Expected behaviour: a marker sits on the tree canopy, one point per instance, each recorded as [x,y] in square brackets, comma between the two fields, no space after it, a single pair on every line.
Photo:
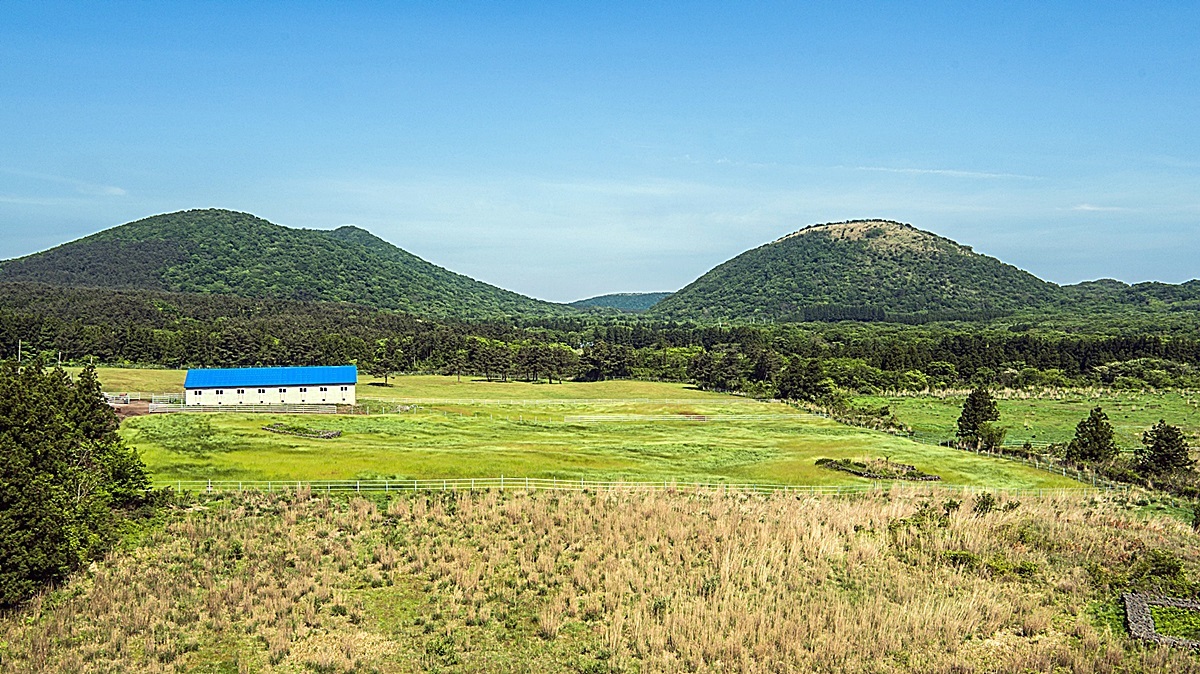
[1164,451]
[978,411]
[66,478]
[1094,441]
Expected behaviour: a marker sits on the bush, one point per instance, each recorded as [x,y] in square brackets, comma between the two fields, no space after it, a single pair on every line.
[984,503]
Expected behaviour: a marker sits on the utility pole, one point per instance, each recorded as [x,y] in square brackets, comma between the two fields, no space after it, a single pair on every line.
[18,352]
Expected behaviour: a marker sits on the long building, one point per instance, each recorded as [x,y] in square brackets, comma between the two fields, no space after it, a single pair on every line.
[330,385]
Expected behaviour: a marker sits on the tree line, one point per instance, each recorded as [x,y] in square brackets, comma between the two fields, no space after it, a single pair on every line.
[182,330]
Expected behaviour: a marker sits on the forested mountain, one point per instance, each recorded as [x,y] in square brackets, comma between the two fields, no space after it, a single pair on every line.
[227,252]
[1110,293]
[622,301]
[864,270]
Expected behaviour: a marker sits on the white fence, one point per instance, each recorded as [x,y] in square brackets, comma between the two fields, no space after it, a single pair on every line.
[156,408]
[555,484]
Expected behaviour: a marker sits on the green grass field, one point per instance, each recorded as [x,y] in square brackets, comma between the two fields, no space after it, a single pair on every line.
[128,380]
[1053,419]
[494,440]
[437,387]
[485,436]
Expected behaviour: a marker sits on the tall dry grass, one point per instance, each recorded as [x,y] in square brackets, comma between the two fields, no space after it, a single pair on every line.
[610,582]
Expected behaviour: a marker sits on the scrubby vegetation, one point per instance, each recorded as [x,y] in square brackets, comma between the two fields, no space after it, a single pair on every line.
[878,469]
[617,582]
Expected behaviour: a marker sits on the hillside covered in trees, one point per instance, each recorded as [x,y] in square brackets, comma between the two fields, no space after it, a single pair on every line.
[862,270]
[622,301]
[227,252]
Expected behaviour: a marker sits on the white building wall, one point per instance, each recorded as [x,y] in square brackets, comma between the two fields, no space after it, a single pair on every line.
[328,394]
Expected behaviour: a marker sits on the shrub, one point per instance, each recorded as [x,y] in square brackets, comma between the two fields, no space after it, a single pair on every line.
[984,503]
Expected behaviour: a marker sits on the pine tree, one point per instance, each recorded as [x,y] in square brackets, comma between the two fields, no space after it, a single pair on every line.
[1093,441]
[65,477]
[978,410]
[1164,450]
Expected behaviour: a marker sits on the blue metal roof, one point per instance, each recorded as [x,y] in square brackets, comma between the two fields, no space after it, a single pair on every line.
[247,377]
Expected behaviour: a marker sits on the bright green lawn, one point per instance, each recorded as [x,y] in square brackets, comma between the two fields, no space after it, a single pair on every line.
[433,444]
[434,386]
[128,380]
[1053,420]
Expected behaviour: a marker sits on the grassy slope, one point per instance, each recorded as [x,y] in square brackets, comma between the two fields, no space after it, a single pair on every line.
[1054,419]
[600,583]
[121,380]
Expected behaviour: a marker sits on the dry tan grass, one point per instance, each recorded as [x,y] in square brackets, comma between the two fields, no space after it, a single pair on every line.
[608,582]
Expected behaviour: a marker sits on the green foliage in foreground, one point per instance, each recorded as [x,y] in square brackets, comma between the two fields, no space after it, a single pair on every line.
[64,475]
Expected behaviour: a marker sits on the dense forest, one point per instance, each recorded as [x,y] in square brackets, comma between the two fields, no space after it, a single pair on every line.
[192,330]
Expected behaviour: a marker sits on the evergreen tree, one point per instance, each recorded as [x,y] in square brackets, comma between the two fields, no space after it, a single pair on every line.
[979,409]
[65,477]
[1093,441]
[1164,451]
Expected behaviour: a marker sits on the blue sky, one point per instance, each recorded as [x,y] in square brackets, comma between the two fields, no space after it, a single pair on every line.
[570,149]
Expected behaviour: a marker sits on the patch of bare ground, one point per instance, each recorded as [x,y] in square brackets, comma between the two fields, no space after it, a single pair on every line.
[657,582]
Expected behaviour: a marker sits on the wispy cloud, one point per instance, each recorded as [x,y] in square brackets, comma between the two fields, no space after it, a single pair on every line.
[1098,209]
[952,173]
[80,186]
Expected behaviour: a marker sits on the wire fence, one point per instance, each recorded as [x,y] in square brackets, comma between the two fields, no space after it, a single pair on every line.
[600,486]
[603,418]
[571,401]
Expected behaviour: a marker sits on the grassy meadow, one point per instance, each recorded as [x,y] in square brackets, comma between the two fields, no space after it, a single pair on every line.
[570,582]
[450,441]
[1053,417]
[130,380]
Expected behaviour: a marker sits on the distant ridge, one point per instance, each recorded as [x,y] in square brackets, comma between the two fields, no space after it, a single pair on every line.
[228,252]
[633,302]
[858,269]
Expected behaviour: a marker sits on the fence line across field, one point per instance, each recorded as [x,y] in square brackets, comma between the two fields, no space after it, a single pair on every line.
[556,484]
[564,401]
[157,408]
[602,418]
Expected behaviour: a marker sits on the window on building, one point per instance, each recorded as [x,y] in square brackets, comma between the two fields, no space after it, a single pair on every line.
[262,390]
[220,392]
[324,389]
[196,392]
[241,391]
[283,390]
[303,389]
[344,388]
